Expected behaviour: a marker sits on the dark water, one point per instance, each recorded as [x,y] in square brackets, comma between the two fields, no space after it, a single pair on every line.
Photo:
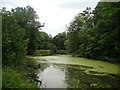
[68,72]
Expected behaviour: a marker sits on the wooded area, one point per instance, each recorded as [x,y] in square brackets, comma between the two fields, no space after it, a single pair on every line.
[91,34]
[22,35]
[95,34]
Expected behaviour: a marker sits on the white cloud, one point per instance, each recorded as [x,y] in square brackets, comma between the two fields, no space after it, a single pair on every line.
[54,16]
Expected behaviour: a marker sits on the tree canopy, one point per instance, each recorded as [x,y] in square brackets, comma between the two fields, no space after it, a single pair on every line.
[19,33]
[91,34]
[59,40]
[95,34]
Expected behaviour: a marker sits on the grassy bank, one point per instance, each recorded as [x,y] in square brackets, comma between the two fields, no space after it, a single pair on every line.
[20,76]
[61,52]
[49,52]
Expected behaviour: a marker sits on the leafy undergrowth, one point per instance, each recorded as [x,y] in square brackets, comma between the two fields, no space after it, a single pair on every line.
[20,76]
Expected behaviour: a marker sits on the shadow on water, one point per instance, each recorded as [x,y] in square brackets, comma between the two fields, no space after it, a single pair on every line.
[74,76]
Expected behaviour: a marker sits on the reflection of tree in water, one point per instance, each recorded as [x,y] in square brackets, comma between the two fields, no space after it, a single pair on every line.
[77,78]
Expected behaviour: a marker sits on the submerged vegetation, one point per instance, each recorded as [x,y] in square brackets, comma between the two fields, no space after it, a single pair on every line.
[70,75]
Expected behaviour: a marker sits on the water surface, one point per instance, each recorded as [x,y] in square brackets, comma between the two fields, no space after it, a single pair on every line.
[65,71]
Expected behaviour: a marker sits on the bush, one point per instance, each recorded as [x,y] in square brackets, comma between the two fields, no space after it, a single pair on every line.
[13,79]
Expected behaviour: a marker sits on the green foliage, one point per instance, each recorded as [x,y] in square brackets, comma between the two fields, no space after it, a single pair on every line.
[106,28]
[49,52]
[26,18]
[61,51]
[95,34]
[19,37]
[20,76]
[13,42]
[59,41]
[13,79]
[21,34]
[42,52]
[77,32]
[45,41]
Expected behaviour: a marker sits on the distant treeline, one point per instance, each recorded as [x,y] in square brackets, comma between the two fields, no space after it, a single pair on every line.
[96,34]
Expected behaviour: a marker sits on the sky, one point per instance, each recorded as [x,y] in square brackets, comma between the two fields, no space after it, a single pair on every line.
[56,14]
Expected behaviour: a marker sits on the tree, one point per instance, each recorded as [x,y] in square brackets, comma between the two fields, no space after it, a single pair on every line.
[59,40]
[27,19]
[77,32]
[107,29]
[44,41]
[95,34]
[13,42]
